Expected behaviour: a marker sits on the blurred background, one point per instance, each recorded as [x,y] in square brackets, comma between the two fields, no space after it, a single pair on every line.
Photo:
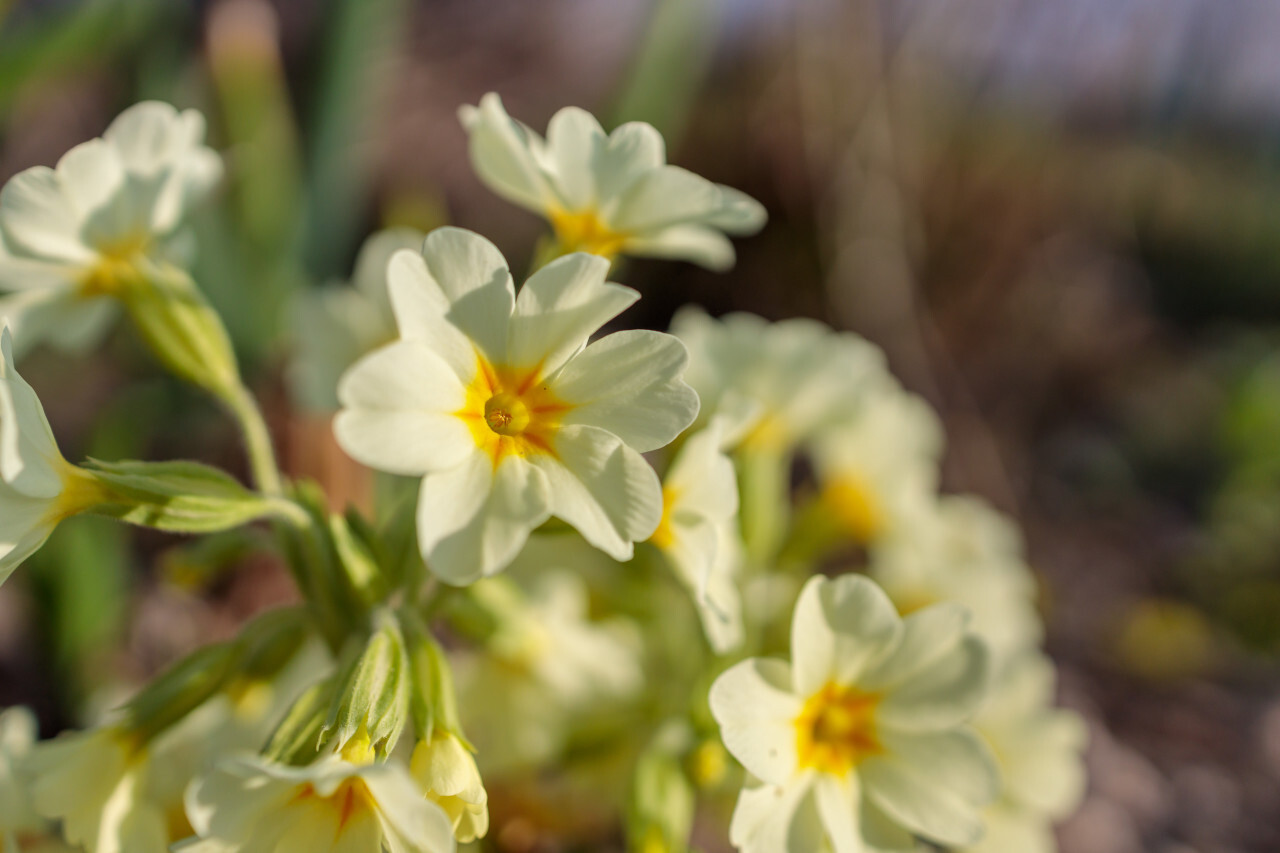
[1060,219]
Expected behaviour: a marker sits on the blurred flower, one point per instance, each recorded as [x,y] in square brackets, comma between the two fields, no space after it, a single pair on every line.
[609,194]
[496,403]
[797,375]
[960,549]
[548,659]
[95,783]
[334,326]
[38,488]
[878,466]
[71,237]
[862,739]
[444,768]
[698,533]
[1039,749]
[21,829]
[249,803]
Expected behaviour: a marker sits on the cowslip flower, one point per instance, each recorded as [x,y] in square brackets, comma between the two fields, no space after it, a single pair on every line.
[334,326]
[608,194]
[507,414]
[960,549]
[248,803]
[38,488]
[1039,749]
[798,375]
[446,770]
[861,739]
[72,236]
[877,468]
[698,532]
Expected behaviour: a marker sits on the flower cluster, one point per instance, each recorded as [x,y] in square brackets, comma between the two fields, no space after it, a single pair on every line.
[598,568]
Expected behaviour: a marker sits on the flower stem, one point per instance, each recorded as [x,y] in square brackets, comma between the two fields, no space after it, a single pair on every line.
[257,440]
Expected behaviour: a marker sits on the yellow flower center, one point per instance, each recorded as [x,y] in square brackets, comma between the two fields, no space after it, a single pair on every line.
[856,507]
[584,231]
[836,729]
[511,412]
[116,267]
[664,537]
[351,796]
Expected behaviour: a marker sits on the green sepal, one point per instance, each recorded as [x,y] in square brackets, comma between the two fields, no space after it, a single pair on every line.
[181,689]
[372,698]
[298,737]
[181,497]
[357,557]
[433,699]
[180,328]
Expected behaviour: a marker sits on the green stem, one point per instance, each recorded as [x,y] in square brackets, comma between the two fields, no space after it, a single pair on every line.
[257,440]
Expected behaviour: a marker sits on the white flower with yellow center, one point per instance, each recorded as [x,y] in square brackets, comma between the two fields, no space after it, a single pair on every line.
[38,488]
[96,784]
[445,769]
[72,236]
[332,806]
[877,468]
[861,740]
[798,374]
[1040,752]
[509,417]
[960,549]
[607,194]
[334,326]
[698,533]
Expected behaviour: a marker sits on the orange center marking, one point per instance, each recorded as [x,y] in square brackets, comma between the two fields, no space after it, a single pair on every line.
[836,729]
[511,411]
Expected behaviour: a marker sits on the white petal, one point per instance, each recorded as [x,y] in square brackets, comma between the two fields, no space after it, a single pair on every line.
[663,197]
[502,153]
[574,140]
[412,824]
[757,713]
[603,488]
[399,410]
[774,819]
[697,244]
[839,625]
[839,806]
[58,317]
[941,695]
[149,134]
[560,307]
[19,272]
[38,218]
[91,174]
[473,520]
[702,476]
[421,311]
[28,453]
[934,785]
[22,531]
[473,276]
[927,636]
[739,213]
[630,384]
[632,150]
[370,274]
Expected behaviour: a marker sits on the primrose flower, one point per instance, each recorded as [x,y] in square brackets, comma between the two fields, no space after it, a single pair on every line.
[611,194]
[444,768]
[550,660]
[38,488]
[698,532]
[509,417]
[861,740]
[962,550]
[1039,749]
[73,236]
[96,783]
[20,827]
[798,375]
[248,803]
[334,326]
[878,467]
